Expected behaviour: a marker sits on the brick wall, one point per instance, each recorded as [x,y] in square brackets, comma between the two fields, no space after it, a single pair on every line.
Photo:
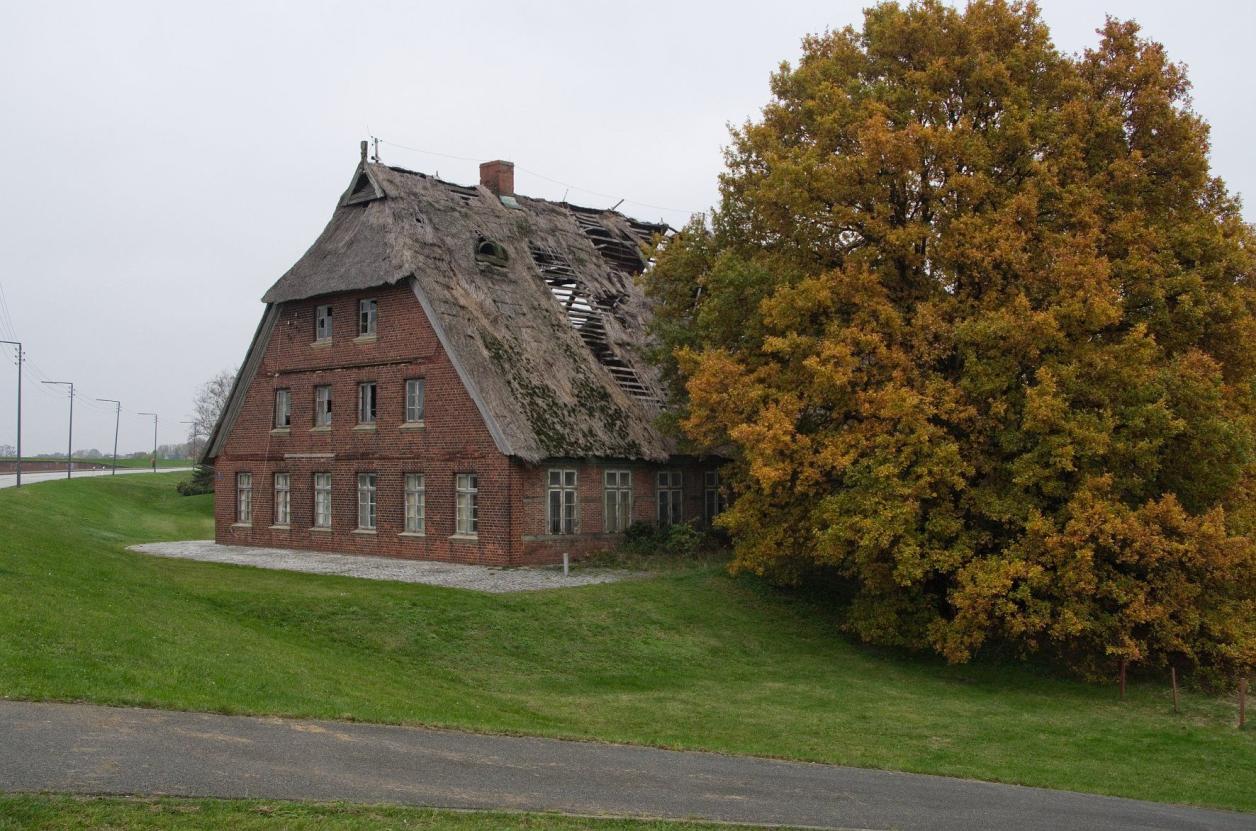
[538,545]
[453,439]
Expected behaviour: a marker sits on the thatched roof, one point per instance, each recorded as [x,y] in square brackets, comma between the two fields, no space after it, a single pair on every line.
[533,300]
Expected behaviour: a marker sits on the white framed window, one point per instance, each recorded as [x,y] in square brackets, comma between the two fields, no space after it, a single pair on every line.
[416,496]
[713,502]
[283,408]
[367,504]
[561,502]
[322,500]
[322,406]
[366,402]
[283,499]
[244,498]
[322,323]
[671,497]
[467,504]
[617,513]
[368,313]
[414,400]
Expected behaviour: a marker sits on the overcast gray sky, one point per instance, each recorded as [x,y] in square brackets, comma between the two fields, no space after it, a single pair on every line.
[168,161]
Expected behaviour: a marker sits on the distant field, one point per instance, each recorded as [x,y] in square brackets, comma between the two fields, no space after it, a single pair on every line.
[690,659]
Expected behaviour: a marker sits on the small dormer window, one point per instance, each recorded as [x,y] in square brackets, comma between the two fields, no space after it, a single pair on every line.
[491,252]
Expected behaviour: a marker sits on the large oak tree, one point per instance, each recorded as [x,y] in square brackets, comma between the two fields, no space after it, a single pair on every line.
[976,323]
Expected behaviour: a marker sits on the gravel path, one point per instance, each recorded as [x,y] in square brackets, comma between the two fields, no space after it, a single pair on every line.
[102,750]
[452,575]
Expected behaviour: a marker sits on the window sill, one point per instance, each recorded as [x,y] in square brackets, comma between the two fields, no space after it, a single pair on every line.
[418,534]
[364,428]
[326,428]
[280,431]
[465,537]
[241,525]
[369,532]
[321,529]
[366,339]
[321,344]
[412,425]
[281,527]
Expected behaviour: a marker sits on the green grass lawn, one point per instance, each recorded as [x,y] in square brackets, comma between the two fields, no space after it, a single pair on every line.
[67,813]
[691,659]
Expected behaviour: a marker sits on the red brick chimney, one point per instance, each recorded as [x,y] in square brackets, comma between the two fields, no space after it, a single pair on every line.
[499,177]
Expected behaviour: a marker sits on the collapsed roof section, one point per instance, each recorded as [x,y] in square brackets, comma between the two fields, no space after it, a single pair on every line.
[534,301]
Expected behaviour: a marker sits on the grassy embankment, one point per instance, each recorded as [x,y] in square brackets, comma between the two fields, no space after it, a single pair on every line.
[690,659]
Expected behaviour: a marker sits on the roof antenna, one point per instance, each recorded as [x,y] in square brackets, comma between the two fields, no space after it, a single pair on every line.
[375,139]
[616,205]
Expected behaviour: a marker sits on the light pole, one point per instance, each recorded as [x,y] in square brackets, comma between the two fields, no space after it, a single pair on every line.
[69,451]
[18,344]
[117,416]
[154,415]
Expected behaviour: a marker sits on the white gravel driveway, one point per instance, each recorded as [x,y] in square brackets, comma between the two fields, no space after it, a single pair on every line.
[452,575]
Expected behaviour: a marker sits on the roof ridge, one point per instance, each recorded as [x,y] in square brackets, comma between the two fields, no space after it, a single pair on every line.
[663,226]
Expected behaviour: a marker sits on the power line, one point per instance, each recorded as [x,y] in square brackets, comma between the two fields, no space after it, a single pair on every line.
[531,172]
[4,311]
[428,152]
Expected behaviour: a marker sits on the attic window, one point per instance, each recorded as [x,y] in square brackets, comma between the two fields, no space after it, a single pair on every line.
[364,189]
[491,252]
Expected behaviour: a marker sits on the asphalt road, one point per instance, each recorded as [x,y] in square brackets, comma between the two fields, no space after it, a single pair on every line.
[87,749]
[8,480]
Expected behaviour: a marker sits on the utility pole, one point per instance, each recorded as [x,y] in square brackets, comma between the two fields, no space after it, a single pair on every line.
[69,452]
[154,415]
[18,344]
[117,416]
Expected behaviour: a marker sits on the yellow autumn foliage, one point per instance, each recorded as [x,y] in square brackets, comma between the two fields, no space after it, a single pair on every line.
[974,322]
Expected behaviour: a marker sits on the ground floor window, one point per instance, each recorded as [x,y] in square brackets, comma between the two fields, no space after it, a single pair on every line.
[415,497]
[244,497]
[713,503]
[562,502]
[618,497]
[670,491]
[322,500]
[283,500]
[366,501]
[467,504]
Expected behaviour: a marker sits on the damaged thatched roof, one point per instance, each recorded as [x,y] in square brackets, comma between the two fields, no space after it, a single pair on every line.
[534,301]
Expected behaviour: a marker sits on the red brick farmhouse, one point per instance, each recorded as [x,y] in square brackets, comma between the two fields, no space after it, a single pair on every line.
[453,373]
